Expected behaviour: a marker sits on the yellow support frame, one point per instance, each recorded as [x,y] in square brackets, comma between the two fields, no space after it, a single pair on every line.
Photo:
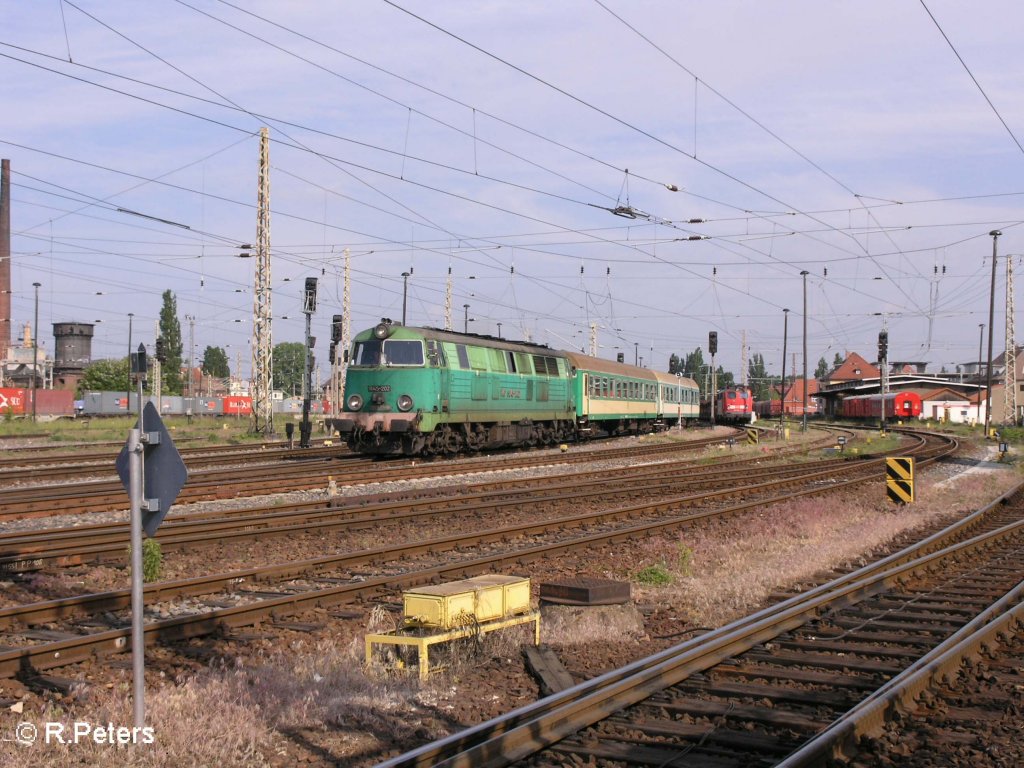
[422,643]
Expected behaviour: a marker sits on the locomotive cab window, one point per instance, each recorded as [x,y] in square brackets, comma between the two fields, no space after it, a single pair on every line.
[388,352]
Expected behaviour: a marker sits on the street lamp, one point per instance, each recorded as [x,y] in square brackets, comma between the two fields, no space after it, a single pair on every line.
[636,353]
[128,391]
[981,335]
[405,293]
[35,352]
[499,330]
[803,426]
[995,233]
[782,392]
[465,318]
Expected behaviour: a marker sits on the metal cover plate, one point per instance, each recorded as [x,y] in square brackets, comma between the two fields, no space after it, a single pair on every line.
[585,590]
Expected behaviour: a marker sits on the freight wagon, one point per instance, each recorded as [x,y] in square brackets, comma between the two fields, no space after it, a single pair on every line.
[898,405]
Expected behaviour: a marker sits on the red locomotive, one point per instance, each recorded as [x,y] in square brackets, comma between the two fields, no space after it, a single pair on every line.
[734,404]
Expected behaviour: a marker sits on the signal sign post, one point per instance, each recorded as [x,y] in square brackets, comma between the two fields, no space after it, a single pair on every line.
[899,479]
[152,487]
[752,435]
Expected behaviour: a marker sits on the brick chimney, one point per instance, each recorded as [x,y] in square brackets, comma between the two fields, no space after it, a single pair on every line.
[5,257]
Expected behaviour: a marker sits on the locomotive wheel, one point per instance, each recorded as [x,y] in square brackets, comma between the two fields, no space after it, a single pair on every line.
[451,442]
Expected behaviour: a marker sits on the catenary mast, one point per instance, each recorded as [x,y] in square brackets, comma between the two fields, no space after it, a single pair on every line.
[262,345]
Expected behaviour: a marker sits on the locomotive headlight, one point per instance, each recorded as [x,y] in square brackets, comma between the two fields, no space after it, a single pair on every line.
[354,402]
[381,331]
[404,403]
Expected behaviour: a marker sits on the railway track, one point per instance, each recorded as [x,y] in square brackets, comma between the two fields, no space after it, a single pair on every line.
[41,470]
[791,685]
[101,542]
[301,586]
[309,470]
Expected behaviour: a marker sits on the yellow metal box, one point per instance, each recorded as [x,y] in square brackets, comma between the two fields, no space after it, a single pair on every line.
[440,605]
[456,603]
[515,591]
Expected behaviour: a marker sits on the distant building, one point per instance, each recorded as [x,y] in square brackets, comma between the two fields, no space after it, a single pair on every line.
[16,368]
[853,368]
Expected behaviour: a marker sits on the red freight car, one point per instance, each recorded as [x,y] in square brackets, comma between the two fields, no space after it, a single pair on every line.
[898,405]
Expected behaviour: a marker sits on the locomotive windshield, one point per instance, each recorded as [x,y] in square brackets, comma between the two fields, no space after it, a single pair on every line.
[388,352]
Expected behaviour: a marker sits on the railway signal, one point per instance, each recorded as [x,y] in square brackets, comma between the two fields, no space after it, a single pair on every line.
[153,473]
[309,309]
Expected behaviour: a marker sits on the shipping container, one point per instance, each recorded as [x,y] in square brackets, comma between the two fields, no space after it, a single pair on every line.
[52,402]
[12,401]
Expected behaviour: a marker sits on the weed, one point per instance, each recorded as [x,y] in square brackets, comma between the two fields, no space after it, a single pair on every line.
[656,575]
[152,560]
[685,562]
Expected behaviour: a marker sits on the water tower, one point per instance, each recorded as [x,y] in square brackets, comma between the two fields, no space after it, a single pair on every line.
[73,351]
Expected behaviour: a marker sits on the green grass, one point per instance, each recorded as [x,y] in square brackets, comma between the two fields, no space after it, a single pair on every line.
[208,429]
[654,575]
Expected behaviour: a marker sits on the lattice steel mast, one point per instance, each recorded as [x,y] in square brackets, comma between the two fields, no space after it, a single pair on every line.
[346,321]
[1010,368]
[262,344]
[448,301]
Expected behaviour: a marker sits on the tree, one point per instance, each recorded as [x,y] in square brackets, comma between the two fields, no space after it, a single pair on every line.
[694,368]
[215,363]
[289,362]
[104,376]
[822,370]
[838,360]
[757,376]
[170,329]
[675,365]
[724,378]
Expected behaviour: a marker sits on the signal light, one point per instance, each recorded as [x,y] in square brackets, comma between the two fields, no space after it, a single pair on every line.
[309,297]
[713,342]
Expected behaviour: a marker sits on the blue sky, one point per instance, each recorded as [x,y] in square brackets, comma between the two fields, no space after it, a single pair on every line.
[487,136]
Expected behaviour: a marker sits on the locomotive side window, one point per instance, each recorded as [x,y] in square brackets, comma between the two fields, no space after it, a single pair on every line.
[477,358]
[435,354]
[523,363]
[499,364]
[463,355]
[545,366]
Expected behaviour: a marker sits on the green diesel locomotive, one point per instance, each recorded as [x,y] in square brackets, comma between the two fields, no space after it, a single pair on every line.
[423,391]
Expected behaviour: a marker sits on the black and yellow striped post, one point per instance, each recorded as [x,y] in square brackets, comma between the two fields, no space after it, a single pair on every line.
[752,436]
[899,479]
